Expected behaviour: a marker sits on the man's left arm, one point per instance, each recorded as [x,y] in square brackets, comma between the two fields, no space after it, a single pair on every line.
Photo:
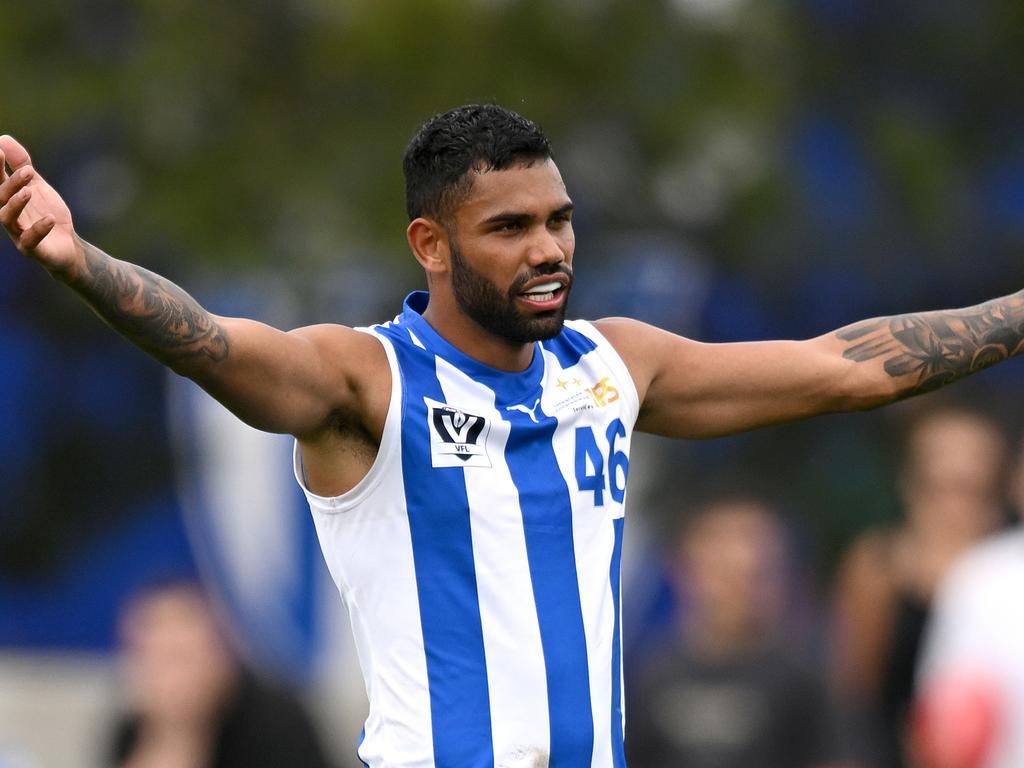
[693,389]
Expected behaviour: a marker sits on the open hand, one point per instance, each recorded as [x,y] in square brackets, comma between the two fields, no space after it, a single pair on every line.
[34,215]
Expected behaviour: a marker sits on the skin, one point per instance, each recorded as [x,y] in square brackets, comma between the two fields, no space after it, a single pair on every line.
[179,673]
[952,490]
[330,386]
[728,566]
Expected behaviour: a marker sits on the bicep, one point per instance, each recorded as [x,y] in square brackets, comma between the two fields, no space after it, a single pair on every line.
[287,381]
[698,390]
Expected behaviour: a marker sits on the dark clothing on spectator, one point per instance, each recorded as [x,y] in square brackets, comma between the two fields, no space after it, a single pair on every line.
[900,674]
[766,710]
[261,726]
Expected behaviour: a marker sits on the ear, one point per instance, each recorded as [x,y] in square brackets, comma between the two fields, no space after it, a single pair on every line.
[428,241]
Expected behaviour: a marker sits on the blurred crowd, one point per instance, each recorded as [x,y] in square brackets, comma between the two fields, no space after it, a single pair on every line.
[912,656]
[841,592]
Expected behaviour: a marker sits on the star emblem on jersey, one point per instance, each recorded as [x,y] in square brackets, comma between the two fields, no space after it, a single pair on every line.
[457,438]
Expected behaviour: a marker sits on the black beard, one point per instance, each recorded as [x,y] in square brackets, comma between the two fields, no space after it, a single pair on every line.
[481,300]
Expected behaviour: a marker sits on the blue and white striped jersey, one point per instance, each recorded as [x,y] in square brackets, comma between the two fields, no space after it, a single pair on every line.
[479,557]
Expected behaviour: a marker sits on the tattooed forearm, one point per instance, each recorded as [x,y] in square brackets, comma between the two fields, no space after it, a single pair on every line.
[149,310]
[932,349]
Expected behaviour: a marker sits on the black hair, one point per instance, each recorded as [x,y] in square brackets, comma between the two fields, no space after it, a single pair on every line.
[448,147]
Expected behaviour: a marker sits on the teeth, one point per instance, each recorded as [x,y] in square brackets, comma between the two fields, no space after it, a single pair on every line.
[544,288]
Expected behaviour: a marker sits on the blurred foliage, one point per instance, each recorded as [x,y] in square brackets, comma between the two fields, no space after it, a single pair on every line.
[248,131]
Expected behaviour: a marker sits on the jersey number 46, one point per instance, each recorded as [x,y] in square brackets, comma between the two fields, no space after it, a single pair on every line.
[590,463]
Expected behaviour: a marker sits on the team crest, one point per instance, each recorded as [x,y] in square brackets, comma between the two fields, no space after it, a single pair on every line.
[457,438]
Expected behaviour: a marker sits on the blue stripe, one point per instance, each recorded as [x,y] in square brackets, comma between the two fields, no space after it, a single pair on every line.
[618,750]
[569,346]
[547,523]
[442,545]
[362,737]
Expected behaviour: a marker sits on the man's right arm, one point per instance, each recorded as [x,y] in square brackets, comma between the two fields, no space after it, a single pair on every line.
[295,382]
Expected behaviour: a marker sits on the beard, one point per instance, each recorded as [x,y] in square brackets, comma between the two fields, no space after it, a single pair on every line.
[496,312]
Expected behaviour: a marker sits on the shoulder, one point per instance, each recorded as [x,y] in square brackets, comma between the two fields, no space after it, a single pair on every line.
[354,362]
[872,549]
[867,570]
[358,352]
[644,348]
[334,336]
[644,345]
[625,331]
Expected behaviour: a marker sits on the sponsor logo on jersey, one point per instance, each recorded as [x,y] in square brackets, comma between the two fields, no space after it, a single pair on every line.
[603,392]
[580,397]
[457,438]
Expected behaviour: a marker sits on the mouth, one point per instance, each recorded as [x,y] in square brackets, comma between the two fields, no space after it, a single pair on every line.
[544,295]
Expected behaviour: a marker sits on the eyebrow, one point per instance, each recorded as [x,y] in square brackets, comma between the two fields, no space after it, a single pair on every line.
[507,217]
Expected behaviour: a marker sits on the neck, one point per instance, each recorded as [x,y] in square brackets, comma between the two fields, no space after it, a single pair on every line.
[472,339]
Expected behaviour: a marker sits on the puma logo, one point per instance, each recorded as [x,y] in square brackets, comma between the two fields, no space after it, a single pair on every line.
[531,412]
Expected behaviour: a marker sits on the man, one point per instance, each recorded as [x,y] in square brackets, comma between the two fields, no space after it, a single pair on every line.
[191,699]
[723,690]
[466,463]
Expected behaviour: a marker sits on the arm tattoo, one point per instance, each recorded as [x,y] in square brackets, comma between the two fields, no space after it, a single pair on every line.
[149,310]
[935,348]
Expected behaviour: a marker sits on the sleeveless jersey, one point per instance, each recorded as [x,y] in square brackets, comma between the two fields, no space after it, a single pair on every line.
[479,557]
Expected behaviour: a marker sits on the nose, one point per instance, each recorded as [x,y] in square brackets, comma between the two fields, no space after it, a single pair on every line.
[547,248]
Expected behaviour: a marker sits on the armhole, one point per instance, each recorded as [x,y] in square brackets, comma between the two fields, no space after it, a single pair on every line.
[389,446]
[611,356]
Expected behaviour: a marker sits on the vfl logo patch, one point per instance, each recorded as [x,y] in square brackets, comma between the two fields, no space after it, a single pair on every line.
[457,438]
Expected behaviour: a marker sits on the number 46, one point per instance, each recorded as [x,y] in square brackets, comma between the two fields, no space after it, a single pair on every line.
[590,475]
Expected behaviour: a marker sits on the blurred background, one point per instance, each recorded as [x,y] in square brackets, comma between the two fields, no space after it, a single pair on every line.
[742,170]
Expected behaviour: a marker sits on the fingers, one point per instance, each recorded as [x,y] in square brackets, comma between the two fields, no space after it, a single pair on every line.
[16,155]
[32,236]
[14,196]
[10,212]
[15,183]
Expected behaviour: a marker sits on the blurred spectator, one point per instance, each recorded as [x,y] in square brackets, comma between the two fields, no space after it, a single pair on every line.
[726,692]
[192,703]
[970,708]
[951,486]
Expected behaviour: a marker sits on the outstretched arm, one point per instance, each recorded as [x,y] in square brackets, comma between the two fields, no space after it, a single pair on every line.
[295,382]
[149,310]
[690,389]
[925,351]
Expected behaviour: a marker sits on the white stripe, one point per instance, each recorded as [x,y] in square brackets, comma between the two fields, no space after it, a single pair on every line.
[593,540]
[415,340]
[516,679]
[368,549]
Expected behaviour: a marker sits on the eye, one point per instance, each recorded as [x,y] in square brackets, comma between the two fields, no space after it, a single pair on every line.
[509,226]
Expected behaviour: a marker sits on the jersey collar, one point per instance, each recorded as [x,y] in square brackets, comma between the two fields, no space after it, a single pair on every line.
[508,387]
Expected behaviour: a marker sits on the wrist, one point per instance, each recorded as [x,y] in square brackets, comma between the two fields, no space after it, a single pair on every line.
[73,270]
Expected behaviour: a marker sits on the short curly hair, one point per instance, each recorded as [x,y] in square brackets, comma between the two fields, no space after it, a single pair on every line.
[473,138]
